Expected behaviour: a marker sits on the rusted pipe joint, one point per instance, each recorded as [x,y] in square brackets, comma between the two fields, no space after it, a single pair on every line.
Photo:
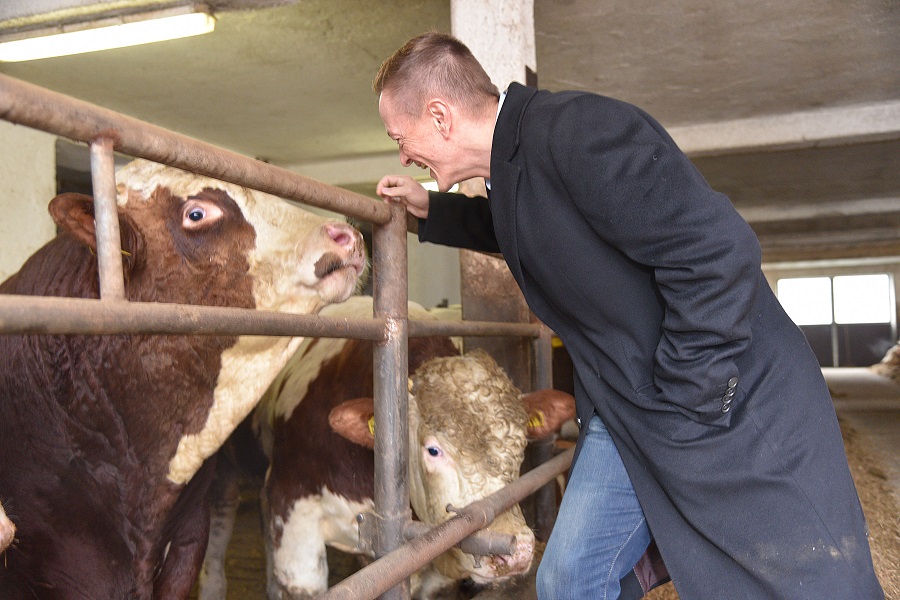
[482,543]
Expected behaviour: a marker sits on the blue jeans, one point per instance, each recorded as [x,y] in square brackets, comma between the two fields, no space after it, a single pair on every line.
[600,532]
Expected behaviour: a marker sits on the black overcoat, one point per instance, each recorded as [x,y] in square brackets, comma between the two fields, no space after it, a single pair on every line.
[712,395]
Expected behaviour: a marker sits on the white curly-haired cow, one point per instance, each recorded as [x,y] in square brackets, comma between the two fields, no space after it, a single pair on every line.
[104,438]
[468,427]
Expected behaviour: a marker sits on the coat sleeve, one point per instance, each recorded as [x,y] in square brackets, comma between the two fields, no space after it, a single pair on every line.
[460,221]
[643,196]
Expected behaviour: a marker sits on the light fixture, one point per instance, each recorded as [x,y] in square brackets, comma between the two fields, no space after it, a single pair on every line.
[105,33]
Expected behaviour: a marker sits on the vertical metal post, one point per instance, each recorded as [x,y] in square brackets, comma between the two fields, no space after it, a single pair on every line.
[542,450]
[106,220]
[390,291]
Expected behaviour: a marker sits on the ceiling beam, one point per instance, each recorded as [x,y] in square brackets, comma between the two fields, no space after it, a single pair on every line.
[873,207]
[824,127]
[358,170]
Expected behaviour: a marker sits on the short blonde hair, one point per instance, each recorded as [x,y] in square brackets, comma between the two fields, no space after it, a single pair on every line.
[434,63]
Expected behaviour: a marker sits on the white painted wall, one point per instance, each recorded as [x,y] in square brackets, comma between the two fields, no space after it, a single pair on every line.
[27,184]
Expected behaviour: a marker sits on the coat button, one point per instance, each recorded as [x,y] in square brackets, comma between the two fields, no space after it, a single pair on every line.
[729,392]
[732,383]
[726,407]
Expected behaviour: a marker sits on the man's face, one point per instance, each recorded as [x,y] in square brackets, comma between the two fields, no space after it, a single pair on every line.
[419,141]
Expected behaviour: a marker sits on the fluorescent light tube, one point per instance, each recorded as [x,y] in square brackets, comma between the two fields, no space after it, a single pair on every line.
[104,38]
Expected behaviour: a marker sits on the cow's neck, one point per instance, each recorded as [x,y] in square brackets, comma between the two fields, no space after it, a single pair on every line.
[248,368]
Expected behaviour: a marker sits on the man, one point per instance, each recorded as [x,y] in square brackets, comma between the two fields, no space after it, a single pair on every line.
[684,360]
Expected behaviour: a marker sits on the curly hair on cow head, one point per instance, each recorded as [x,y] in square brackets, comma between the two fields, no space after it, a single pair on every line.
[471,399]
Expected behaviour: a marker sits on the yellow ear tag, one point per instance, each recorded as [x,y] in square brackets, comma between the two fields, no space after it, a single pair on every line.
[536,420]
[372,425]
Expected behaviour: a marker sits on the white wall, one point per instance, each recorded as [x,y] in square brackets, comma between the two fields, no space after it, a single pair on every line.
[27,184]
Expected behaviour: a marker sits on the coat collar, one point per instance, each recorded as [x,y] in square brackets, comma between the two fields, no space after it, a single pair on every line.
[504,146]
[505,176]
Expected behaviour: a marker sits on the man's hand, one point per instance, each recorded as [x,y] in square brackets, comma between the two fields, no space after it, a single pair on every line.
[404,190]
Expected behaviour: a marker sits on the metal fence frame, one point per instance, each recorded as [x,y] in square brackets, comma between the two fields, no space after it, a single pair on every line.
[107,132]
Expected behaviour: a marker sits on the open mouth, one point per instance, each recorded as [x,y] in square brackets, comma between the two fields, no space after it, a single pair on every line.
[330,263]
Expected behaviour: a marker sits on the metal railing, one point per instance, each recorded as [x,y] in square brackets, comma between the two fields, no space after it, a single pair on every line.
[107,132]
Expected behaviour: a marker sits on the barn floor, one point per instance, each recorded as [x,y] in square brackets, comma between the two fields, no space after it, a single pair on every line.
[871,426]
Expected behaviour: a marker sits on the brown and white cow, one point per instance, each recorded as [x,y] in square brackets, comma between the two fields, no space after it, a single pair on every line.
[468,429]
[103,438]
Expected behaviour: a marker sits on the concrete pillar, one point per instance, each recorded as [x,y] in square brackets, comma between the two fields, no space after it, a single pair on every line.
[500,33]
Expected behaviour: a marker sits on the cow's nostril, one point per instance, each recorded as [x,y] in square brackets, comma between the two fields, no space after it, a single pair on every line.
[342,235]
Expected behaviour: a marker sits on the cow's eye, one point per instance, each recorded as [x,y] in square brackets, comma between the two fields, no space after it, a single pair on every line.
[433,451]
[198,213]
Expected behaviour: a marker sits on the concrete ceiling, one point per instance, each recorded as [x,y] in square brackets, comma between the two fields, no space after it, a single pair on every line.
[791,107]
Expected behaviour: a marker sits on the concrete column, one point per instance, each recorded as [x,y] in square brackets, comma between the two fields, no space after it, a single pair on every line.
[500,33]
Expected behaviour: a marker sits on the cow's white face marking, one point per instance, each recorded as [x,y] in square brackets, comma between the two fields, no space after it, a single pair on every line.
[287,276]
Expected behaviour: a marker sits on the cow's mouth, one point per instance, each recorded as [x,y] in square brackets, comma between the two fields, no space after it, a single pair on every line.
[330,263]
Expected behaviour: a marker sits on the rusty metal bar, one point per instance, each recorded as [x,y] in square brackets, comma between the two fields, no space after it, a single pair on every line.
[80,316]
[33,106]
[542,450]
[473,328]
[481,543]
[106,219]
[391,368]
[385,572]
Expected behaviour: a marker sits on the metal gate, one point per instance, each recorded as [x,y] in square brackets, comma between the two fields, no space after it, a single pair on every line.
[107,131]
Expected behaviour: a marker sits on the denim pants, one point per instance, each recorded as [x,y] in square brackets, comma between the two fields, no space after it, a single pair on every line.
[600,531]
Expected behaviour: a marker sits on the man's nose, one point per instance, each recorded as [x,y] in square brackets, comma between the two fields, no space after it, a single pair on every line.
[404,159]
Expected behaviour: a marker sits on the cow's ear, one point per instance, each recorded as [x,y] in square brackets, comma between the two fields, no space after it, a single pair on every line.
[547,411]
[355,420]
[74,213]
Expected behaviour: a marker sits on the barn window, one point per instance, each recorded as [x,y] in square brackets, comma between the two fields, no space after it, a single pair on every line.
[848,319]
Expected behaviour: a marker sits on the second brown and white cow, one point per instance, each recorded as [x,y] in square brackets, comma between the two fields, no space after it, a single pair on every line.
[468,429]
[103,439]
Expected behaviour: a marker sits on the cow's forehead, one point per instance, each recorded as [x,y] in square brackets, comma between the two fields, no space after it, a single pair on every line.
[470,402]
[264,211]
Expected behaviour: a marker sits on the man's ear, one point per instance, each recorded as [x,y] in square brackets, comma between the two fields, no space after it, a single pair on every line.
[547,411]
[440,115]
[355,420]
[74,213]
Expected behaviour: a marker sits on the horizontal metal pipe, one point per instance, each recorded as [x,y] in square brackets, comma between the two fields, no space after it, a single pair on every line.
[79,316]
[473,328]
[480,543]
[395,566]
[36,107]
